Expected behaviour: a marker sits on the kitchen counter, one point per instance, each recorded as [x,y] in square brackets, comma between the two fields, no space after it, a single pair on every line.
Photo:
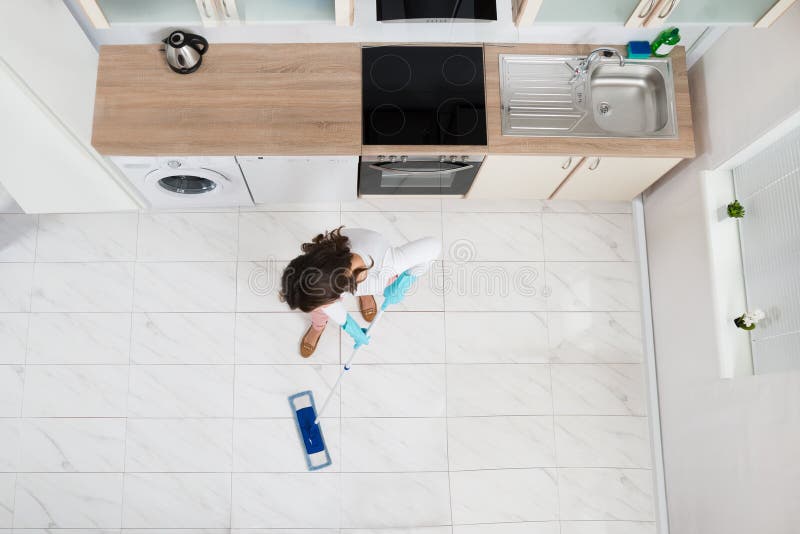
[681,147]
[246,99]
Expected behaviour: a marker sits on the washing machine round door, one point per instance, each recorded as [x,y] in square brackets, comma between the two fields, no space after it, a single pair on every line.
[187,183]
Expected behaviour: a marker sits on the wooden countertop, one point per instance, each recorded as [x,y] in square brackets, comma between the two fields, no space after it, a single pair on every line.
[682,146]
[246,99]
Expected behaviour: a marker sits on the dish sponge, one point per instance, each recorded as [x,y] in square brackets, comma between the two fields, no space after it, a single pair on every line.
[638,50]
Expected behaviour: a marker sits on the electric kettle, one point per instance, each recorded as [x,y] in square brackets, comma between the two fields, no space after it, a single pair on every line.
[185,51]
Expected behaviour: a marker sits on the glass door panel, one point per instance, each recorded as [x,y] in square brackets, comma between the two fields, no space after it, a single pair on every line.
[151,11]
[588,11]
[256,11]
[719,11]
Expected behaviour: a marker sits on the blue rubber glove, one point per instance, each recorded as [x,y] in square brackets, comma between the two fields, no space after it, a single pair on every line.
[396,291]
[358,334]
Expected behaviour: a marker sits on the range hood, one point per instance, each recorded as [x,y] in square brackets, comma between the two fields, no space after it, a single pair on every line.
[436,10]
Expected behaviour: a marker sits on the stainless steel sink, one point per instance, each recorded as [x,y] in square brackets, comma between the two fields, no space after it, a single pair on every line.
[539,98]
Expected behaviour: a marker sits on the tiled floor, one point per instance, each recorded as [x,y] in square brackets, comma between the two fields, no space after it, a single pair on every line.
[146,362]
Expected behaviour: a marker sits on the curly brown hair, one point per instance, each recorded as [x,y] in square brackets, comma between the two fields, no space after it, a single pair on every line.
[321,274]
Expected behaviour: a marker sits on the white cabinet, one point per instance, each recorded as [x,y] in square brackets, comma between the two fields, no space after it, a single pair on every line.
[613,178]
[300,178]
[513,176]
[46,104]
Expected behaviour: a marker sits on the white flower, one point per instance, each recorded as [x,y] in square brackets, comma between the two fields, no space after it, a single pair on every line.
[753,317]
[757,315]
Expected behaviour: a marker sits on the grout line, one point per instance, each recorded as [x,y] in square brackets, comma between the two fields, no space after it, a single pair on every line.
[446,403]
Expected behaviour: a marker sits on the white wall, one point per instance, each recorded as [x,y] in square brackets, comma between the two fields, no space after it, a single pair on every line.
[367,29]
[730,446]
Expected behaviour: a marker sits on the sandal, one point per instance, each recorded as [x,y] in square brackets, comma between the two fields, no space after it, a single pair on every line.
[368,307]
[306,348]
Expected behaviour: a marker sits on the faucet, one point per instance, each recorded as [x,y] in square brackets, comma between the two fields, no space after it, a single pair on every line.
[583,66]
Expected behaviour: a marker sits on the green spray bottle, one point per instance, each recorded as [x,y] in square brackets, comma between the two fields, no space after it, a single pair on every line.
[665,42]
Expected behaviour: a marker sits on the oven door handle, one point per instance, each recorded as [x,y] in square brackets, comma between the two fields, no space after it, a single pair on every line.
[384,167]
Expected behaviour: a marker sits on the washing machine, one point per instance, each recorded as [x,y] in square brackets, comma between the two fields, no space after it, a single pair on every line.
[187,182]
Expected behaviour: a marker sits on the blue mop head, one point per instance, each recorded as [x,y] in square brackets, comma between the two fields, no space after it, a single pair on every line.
[305,413]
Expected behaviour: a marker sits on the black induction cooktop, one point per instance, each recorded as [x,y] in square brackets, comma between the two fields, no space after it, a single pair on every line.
[423,95]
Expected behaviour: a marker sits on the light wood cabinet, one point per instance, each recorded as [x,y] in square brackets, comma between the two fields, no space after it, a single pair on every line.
[512,176]
[613,178]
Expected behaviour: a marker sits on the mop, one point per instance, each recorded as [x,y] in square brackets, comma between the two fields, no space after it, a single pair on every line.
[305,411]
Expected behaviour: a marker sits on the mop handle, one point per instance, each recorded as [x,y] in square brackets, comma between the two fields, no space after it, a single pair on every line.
[346,368]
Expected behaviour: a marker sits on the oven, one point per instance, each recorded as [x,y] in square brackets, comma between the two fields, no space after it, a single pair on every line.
[447,175]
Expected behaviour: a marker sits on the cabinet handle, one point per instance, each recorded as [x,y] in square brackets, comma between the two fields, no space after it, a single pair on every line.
[667,11]
[567,164]
[225,9]
[205,9]
[594,165]
[647,9]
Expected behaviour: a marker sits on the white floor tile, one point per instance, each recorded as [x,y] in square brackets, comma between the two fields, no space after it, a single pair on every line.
[393,204]
[274,446]
[497,337]
[493,237]
[72,445]
[75,391]
[7,482]
[68,500]
[165,500]
[182,338]
[595,337]
[504,496]
[292,500]
[179,445]
[278,235]
[593,286]
[518,389]
[263,390]
[79,338]
[187,236]
[375,500]
[82,287]
[17,237]
[485,205]
[257,286]
[394,444]
[394,391]
[274,338]
[500,442]
[412,337]
[16,283]
[598,389]
[87,237]
[397,227]
[9,445]
[588,237]
[539,527]
[13,337]
[412,530]
[586,206]
[494,286]
[181,391]
[12,380]
[608,527]
[185,287]
[606,441]
[293,206]
[591,494]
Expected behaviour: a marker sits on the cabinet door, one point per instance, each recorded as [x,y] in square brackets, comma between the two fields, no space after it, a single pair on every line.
[45,166]
[108,13]
[300,179]
[607,178]
[722,12]
[510,176]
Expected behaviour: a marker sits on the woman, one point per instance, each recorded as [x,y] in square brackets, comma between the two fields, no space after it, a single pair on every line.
[357,261]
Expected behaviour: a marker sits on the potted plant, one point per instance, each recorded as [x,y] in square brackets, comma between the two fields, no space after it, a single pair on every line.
[735,210]
[749,320]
